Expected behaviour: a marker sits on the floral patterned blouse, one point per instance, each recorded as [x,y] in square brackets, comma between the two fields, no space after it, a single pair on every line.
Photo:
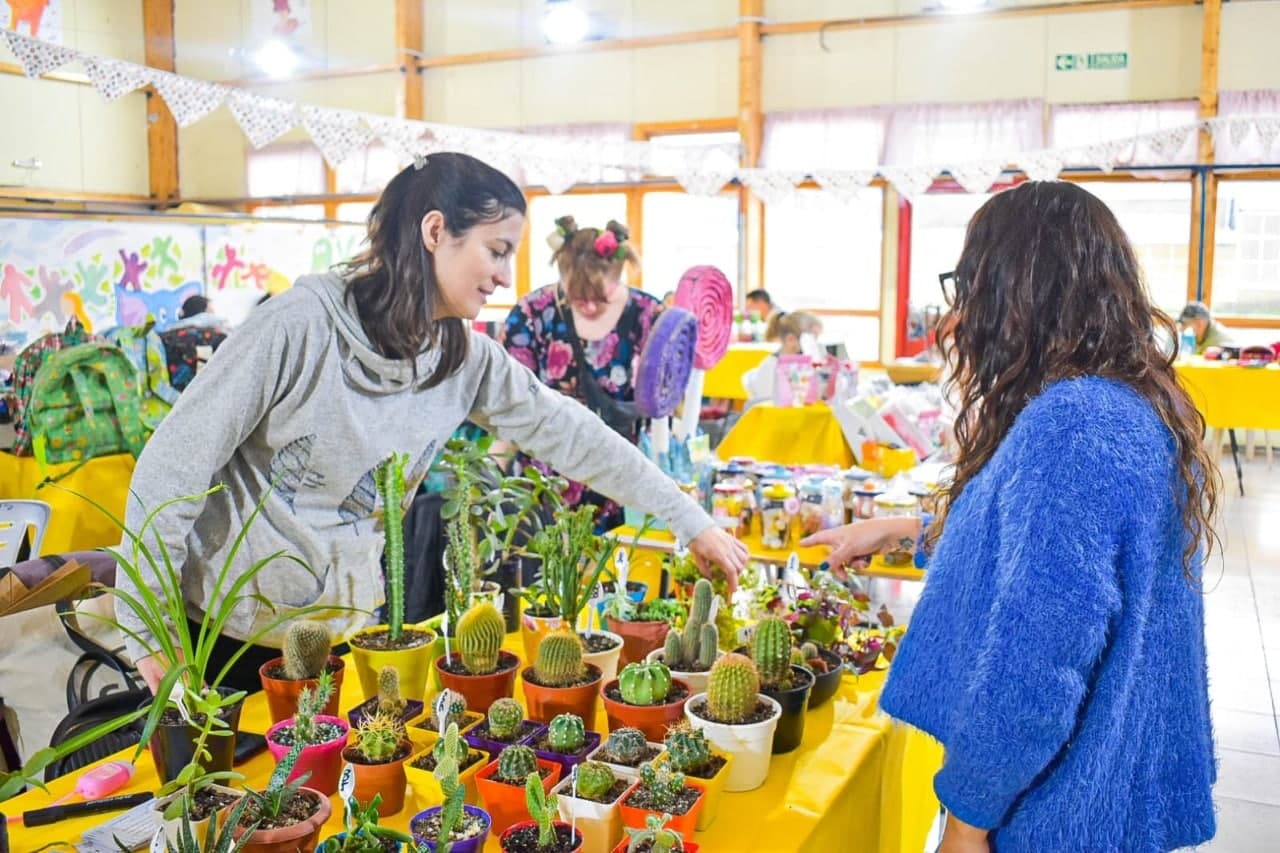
[537,336]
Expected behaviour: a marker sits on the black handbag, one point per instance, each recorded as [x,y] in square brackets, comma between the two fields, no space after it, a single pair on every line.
[623,418]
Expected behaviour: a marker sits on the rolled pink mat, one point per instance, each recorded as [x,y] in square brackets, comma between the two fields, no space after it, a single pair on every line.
[662,372]
[705,292]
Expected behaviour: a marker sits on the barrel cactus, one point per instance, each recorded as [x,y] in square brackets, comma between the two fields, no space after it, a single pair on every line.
[505,717]
[515,763]
[645,683]
[378,737]
[732,689]
[566,734]
[306,650]
[559,662]
[480,632]
[688,748]
[594,780]
[771,650]
[389,700]
[626,744]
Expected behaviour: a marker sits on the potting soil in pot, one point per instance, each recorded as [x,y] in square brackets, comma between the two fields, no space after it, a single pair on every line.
[277,672]
[592,675]
[648,754]
[762,712]
[525,840]
[470,826]
[597,643]
[410,638]
[677,694]
[453,664]
[714,766]
[639,799]
[427,761]
[325,732]
[301,807]
[207,801]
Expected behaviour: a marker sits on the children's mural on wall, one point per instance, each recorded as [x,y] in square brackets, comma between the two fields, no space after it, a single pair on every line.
[116,273]
[40,19]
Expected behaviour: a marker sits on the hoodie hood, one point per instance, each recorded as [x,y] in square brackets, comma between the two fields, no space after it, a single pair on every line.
[364,367]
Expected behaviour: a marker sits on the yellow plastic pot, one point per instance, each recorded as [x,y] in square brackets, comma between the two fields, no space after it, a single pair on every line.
[413,665]
[424,782]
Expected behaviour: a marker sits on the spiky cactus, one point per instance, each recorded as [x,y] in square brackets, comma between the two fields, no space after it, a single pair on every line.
[671,655]
[662,785]
[389,701]
[543,809]
[654,834]
[559,662]
[695,648]
[566,733]
[626,744]
[452,705]
[390,479]
[515,763]
[699,612]
[732,689]
[771,650]
[505,716]
[306,650]
[809,651]
[594,780]
[311,702]
[446,774]
[480,632]
[688,748]
[461,564]
[378,737]
[645,683]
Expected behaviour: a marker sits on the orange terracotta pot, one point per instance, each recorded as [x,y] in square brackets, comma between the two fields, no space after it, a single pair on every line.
[653,720]
[291,839]
[282,694]
[505,803]
[685,824]
[546,703]
[638,639]
[388,780]
[481,691]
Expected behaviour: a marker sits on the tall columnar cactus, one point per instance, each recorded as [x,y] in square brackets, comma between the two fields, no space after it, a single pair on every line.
[389,700]
[559,662]
[688,748]
[515,763]
[662,784]
[480,633]
[452,705]
[771,650]
[446,774]
[626,744]
[311,702]
[460,555]
[306,650]
[594,779]
[378,737]
[567,733]
[699,612]
[695,648]
[543,808]
[732,689]
[505,716]
[645,683]
[390,479]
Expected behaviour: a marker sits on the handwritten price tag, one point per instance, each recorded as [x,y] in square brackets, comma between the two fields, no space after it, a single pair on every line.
[347,782]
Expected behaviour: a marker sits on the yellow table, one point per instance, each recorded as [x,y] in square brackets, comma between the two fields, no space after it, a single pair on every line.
[796,435]
[724,381]
[74,524]
[856,782]
[1233,397]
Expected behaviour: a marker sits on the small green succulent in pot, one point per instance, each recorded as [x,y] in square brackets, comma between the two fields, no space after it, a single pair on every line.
[626,744]
[515,763]
[688,748]
[655,835]
[543,808]
[480,633]
[450,704]
[645,683]
[311,702]
[362,834]
[662,785]
[279,794]
[573,561]
[389,699]
[694,648]
[505,717]
[566,734]
[226,834]
[594,780]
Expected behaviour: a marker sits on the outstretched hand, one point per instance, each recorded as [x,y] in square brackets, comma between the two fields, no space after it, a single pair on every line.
[853,544]
[714,547]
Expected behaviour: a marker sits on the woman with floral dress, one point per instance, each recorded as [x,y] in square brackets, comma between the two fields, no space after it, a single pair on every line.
[592,313]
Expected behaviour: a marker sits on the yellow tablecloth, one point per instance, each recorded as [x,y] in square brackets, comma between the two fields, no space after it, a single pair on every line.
[724,381]
[74,525]
[1230,396]
[808,435]
[833,793]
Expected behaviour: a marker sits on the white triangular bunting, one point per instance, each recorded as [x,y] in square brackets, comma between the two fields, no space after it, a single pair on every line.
[337,133]
[910,181]
[114,79]
[844,184]
[189,100]
[977,177]
[263,120]
[38,57]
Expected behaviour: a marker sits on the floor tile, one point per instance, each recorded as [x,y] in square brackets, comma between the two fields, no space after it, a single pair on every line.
[1248,776]
[1244,827]
[1247,732]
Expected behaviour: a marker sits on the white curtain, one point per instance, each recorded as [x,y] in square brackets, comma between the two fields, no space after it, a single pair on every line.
[813,140]
[1256,142]
[1088,128]
[609,142]
[942,134]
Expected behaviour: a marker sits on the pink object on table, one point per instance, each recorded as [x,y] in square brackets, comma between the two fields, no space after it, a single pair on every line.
[323,761]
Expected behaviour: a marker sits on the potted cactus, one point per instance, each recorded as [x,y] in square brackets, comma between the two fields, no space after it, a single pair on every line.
[782,680]
[362,834]
[690,653]
[420,770]
[449,706]
[566,741]
[388,701]
[643,627]
[689,751]
[827,669]
[661,791]
[322,738]
[560,682]
[504,726]
[654,838]
[624,750]
[284,817]
[307,654]
[590,802]
[737,720]
[451,825]
[377,755]
[479,669]
[502,784]
[394,644]
[645,696]
[543,833]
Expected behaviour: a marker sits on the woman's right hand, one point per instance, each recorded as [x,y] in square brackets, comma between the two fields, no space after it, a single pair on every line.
[152,672]
[854,544]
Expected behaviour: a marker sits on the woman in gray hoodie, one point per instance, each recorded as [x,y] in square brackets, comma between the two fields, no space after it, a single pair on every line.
[328,379]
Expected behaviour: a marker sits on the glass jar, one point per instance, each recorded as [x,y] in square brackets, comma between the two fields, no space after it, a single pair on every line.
[864,500]
[726,506]
[776,513]
[811,518]
[832,503]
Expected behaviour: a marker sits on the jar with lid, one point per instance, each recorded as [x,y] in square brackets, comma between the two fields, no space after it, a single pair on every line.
[832,503]
[864,500]
[897,506]
[726,506]
[811,519]
[776,513]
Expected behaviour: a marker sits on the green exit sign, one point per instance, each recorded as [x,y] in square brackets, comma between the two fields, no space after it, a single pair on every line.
[1091,62]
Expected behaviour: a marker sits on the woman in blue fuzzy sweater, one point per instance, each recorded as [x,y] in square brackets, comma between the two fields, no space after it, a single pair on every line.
[1057,651]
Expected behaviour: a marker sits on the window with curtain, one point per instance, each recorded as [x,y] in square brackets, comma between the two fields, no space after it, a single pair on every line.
[593,210]
[719,149]
[924,134]
[682,231]
[285,169]
[1157,217]
[1246,259]
[1082,125]
[806,140]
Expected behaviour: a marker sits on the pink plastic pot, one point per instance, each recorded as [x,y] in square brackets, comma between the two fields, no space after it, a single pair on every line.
[323,761]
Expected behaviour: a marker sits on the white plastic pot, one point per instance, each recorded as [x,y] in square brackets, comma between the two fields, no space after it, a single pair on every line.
[600,824]
[607,661]
[750,745]
[173,828]
[697,681]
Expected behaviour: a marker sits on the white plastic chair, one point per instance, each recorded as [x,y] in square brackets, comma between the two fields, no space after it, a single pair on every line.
[15,518]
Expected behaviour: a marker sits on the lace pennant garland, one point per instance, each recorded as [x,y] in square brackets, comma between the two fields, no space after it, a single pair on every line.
[189,100]
[38,57]
[263,120]
[337,133]
[844,184]
[114,79]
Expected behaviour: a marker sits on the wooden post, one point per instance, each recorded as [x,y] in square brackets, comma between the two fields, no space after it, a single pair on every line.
[1204,194]
[162,130]
[751,129]
[409,101]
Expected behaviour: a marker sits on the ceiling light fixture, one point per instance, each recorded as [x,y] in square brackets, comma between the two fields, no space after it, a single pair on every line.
[276,59]
[564,22]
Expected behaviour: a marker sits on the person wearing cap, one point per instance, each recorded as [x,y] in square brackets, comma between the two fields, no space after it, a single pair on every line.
[1209,332]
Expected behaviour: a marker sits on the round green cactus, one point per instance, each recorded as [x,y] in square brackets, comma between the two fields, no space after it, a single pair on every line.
[809,651]
[645,683]
[505,717]
[688,748]
[480,632]
[306,650]
[515,763]
[559,662]
[594,780]
[567,734]
[378,737]
[732,689]
[626,744]
[771,650]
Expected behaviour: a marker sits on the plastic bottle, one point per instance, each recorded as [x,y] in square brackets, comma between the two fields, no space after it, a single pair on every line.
[1187,343]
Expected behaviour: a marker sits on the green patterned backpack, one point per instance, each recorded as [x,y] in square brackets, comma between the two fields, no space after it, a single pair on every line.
[85,403]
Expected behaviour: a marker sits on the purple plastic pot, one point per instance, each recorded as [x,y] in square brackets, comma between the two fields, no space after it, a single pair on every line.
[567,762]
[471,845]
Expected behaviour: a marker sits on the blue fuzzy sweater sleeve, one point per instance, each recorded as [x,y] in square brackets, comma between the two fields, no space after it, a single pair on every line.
[1059,519]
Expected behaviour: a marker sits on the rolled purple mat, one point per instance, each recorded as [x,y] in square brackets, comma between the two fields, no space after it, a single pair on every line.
[665,362]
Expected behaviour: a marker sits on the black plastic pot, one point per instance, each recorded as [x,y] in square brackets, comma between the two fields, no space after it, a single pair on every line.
[173,746]
[794,702]
[826,684]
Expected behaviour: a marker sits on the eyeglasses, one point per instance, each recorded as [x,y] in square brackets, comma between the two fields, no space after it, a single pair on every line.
[949,283]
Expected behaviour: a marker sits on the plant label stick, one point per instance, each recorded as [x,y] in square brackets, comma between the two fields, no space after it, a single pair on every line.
[715,608]
[347,782]
[622,565]
[573,785]
[158,844]
[444,631]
